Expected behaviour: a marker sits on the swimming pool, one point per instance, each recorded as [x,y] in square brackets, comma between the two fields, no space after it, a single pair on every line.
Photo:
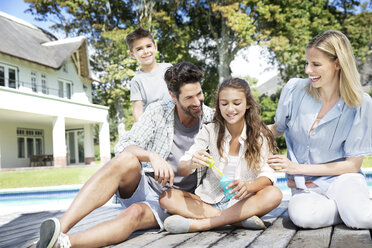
[60,197]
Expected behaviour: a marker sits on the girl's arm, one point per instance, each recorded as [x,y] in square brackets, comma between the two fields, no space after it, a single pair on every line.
[196,156]
[349,165]
[246,188]
[198,159]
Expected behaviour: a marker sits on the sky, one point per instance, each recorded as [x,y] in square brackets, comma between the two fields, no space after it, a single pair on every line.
[257,65]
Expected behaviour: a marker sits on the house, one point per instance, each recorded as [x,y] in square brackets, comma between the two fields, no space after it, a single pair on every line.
[46,108]
[271,86]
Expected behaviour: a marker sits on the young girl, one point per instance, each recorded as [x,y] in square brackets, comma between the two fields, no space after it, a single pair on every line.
[240,143]
[327,124]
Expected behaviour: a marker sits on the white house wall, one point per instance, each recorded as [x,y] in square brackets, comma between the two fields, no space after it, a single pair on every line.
[8,143]
[24,69]
[23,108]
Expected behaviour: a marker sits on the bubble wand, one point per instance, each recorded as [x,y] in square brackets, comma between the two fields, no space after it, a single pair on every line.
[224,180]
[212,164]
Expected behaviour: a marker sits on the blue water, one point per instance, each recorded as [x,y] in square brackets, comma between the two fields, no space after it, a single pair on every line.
[56,196]
[37,197]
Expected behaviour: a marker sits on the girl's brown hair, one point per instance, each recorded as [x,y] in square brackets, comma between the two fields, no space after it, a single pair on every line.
[257,132]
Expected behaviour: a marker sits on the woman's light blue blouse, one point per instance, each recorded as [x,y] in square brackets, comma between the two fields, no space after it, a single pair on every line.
[342,132]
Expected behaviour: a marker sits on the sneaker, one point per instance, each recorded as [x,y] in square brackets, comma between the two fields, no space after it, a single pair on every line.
[51,236]
[177,224]
[253,222]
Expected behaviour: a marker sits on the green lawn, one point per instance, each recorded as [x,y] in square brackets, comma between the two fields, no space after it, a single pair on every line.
[64,176]
[367,162]
[46,177]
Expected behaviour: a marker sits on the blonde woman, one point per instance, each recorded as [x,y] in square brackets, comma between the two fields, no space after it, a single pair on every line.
[327,121]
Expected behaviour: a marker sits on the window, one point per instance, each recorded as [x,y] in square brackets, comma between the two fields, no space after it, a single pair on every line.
[65,68]
[12,78]
[68,90]
[8,76]
[2,76]
[60,89]
[33,82]
[44,84]
[64,89]
[30,142]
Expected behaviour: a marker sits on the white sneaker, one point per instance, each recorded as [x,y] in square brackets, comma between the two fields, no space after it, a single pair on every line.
[254,223]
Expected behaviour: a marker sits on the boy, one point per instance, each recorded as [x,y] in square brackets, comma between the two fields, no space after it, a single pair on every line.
[148,84]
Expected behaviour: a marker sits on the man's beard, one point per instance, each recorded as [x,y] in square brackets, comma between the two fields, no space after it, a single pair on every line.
[189,113]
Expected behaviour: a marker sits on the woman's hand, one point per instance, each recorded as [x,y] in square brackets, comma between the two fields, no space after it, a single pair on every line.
[282,164]
[241,189]
[199,159]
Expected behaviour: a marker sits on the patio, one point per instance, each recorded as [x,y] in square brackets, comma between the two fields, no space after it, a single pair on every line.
[20,230]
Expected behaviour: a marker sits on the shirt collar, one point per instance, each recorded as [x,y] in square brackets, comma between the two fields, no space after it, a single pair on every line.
[243,135]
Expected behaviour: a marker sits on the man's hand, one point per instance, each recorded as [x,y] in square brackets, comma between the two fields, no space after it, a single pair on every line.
[163,171]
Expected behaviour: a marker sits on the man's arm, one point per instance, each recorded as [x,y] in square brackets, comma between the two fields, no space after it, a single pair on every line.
[137,110]
[163,171]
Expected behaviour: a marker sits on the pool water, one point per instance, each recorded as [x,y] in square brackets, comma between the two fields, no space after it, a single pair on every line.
[61,197]
[37,197]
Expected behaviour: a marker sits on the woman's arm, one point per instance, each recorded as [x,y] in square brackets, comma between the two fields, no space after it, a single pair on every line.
[349,165]
[274,130]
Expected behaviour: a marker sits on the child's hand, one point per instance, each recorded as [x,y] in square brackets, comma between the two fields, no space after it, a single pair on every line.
[199,158]
[241,189]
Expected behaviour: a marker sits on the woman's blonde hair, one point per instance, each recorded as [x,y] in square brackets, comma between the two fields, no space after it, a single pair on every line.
[337,46]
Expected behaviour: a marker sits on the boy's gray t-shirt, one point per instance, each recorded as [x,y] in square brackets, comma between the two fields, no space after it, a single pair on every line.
[183,139]
[150,87]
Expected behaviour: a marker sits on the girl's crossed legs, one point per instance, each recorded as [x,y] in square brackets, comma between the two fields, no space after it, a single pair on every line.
[205,217]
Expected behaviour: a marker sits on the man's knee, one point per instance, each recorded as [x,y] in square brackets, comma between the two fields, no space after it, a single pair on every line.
[135,214]
[125,162]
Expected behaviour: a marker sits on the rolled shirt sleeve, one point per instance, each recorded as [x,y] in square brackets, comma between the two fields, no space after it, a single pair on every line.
[359,140]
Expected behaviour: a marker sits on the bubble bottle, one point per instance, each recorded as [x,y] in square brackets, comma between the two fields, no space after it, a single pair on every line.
[224,180]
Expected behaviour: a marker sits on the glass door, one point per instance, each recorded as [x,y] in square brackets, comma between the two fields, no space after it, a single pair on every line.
[75,147]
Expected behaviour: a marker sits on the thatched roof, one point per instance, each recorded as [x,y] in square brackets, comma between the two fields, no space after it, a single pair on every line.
[25,41]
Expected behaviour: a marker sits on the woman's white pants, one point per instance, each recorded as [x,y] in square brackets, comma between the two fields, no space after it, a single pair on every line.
[347,200]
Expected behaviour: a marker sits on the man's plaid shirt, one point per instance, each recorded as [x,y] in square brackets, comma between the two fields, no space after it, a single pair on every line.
[155,129]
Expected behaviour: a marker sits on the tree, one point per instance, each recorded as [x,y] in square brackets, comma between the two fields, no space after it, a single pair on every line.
[208,33]
[285,27]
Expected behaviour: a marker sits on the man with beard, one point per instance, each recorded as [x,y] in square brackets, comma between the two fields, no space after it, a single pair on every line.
[145,166]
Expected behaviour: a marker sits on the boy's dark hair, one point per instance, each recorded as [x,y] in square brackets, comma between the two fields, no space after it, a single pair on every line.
[180,74]
[137,34]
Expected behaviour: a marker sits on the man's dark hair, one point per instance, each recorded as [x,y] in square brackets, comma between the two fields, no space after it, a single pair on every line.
[137,34]
[180,74]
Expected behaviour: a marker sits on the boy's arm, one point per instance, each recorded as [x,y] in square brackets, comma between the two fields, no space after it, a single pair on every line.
[137,110]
